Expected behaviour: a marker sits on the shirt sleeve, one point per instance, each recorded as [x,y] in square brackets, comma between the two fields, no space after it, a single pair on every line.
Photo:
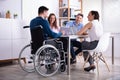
[80,26]
[68,24]
[49,31]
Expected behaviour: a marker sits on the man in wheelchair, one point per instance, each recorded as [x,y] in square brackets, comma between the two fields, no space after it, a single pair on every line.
[38,22]
[40,32]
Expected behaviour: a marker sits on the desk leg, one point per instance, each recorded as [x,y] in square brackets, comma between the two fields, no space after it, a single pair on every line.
[112,50]
[68,68]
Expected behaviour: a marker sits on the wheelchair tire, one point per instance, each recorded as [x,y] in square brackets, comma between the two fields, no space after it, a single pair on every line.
[47,60]
[25,60]
[62,67]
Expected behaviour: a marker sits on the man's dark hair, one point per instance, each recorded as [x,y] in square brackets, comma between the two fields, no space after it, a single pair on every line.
[96,14]
[42,9]
[79,14]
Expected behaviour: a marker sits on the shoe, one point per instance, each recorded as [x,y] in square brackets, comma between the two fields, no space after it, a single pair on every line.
[30,59]
[89,68]
[72,61]
[32,56]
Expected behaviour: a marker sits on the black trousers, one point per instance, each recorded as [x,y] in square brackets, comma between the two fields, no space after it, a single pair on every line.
[85,45]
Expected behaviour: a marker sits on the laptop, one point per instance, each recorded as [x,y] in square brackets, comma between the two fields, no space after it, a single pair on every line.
[69,30]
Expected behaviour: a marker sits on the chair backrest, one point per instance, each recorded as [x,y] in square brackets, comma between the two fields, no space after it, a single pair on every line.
[37,38]
[103,43]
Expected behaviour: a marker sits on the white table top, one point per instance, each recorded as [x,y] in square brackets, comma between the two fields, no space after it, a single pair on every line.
[75,36]
[115,34]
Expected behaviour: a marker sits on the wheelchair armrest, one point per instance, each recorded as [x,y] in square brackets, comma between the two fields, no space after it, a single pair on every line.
[50,39]
[51,42]
[26,27]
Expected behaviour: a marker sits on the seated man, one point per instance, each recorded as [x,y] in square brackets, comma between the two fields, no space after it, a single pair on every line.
[76,25]
[40,20]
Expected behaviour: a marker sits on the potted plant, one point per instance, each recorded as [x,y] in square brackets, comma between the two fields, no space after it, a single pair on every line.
[15,16]
[8,14]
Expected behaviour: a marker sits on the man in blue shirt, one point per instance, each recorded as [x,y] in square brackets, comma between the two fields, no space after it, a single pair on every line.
[77,24]
[41,20]
[47,32]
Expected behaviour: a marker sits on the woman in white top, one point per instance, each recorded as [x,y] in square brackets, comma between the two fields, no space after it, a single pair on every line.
[95,31]
[53,23]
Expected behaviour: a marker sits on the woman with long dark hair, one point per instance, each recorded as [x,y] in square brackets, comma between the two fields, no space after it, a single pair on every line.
[53,23]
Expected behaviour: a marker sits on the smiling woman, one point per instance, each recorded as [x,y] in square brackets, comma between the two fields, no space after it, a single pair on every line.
[53,23]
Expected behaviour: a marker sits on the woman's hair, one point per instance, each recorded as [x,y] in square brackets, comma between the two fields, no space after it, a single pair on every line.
[55,22]
[96,14]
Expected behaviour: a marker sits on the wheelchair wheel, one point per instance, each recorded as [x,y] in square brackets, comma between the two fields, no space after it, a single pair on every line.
[47,60]
[63,67]
[26,59]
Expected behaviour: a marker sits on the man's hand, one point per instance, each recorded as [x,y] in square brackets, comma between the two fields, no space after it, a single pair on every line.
[63,32]
[85,33]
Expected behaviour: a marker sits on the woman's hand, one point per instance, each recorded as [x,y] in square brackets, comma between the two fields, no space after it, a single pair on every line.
[85,33]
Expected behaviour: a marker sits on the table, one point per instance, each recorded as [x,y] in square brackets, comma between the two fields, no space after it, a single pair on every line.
[113,38]
[69,37]
[112,49]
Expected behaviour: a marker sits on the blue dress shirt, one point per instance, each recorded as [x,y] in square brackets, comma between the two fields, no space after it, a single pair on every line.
[77,27]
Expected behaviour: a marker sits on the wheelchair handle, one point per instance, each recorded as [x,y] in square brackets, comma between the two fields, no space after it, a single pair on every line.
[26,27]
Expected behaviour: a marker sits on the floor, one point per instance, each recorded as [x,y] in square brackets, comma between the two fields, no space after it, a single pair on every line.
[14,72]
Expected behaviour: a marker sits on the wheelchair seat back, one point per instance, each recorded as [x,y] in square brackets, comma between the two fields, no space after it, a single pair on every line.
[37,38]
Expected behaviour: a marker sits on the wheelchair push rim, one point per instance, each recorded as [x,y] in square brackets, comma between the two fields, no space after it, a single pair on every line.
[47,60]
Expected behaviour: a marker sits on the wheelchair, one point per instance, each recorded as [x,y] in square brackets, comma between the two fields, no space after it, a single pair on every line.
[46,57]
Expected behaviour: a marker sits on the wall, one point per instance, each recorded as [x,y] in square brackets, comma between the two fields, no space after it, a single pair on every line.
[14,6]
[30,7]
[111,23]
[111,15]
